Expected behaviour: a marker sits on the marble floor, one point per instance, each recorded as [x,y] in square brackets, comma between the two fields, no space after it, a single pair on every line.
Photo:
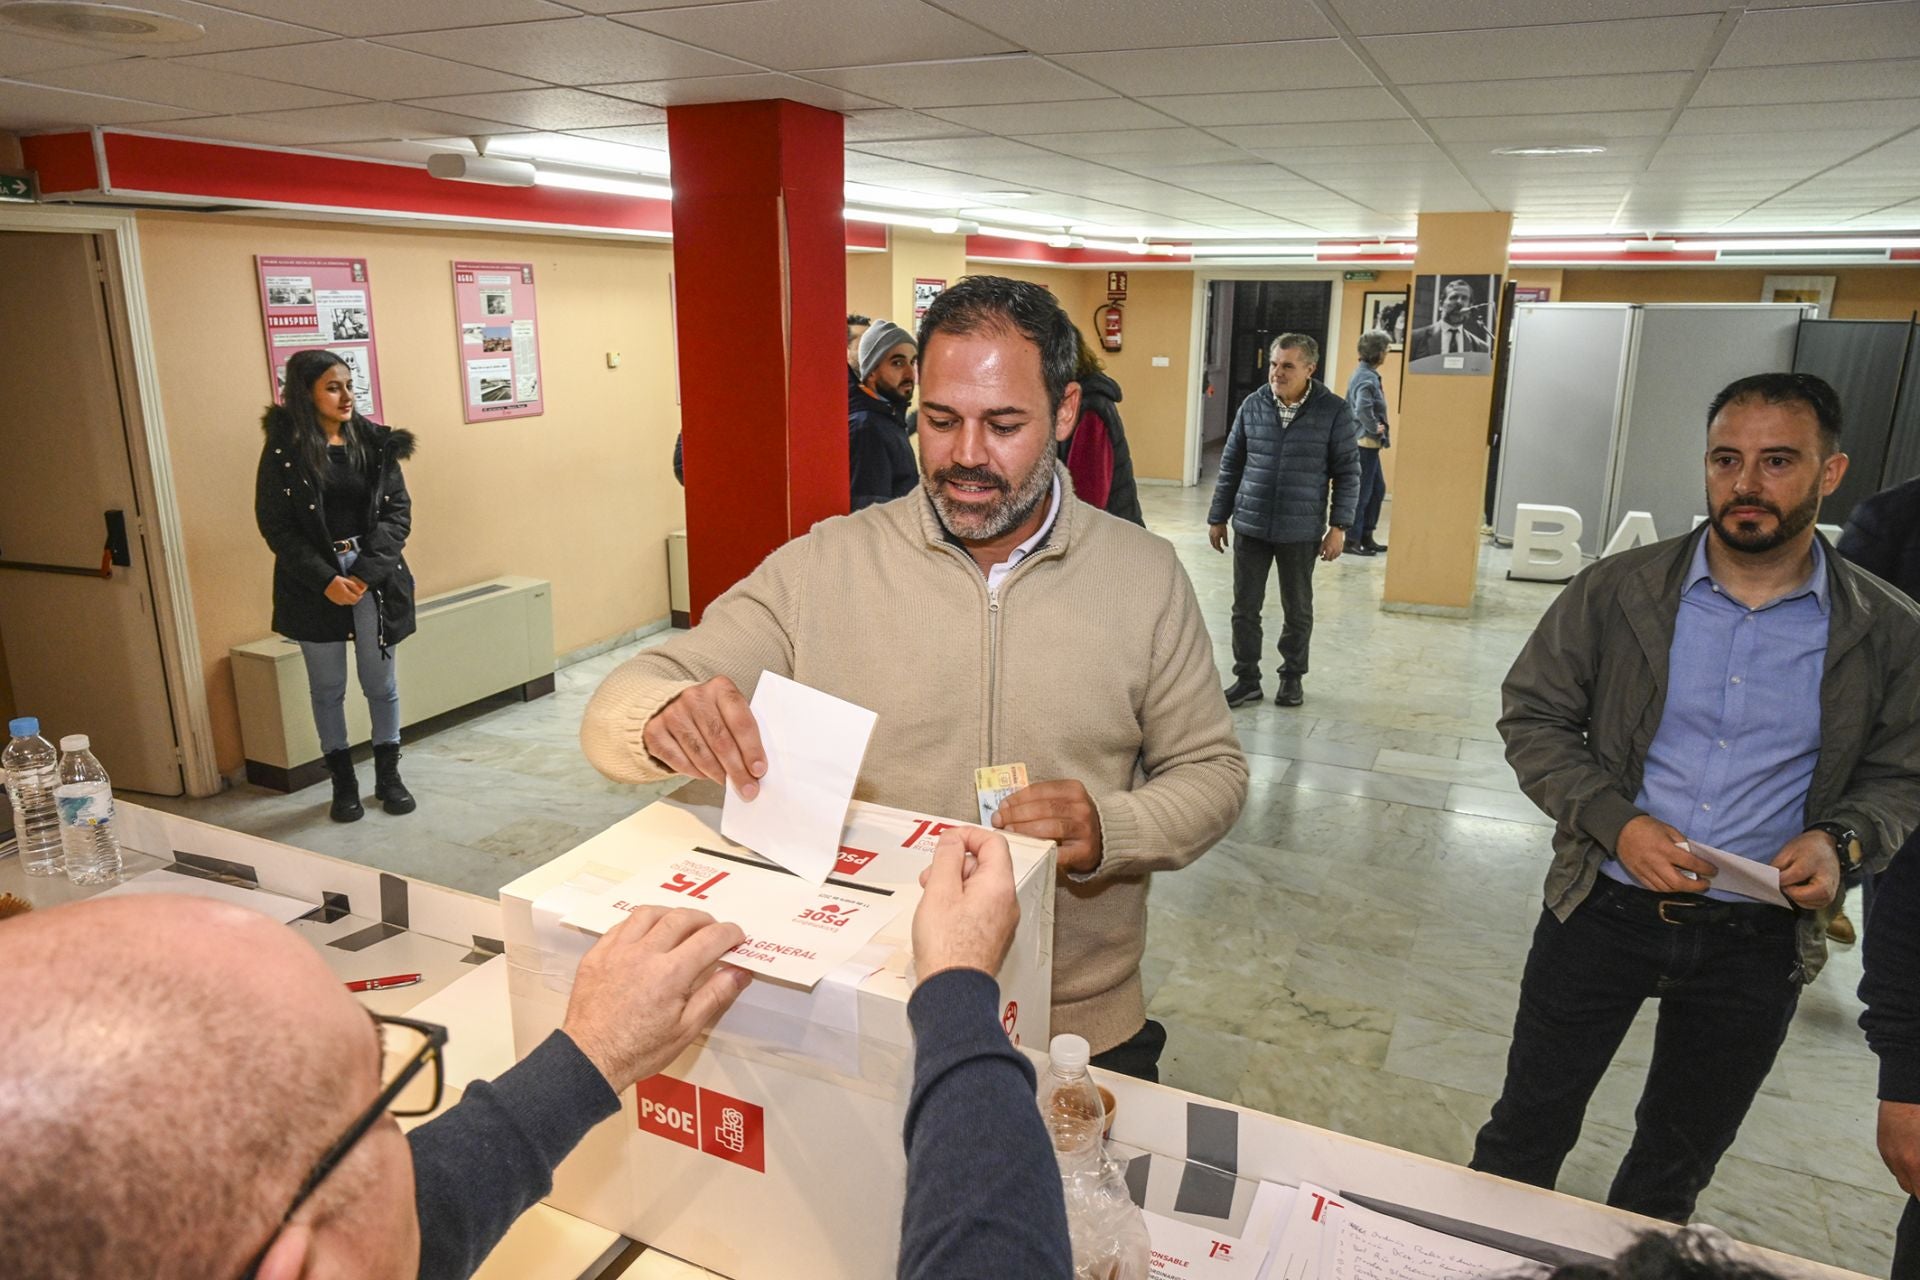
[1349,956]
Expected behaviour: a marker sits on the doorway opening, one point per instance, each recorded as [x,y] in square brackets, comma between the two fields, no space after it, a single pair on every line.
[1243,318]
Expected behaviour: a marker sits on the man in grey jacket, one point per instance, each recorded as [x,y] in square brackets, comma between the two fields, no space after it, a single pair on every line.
[1743,692]
[1290,443]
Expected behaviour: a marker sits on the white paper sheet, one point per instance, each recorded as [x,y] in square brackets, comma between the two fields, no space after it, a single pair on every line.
[1296,1256]
[1181,1249]
[815,743]
[162,880]
[796,932]
[1744,876]
[1363,1245]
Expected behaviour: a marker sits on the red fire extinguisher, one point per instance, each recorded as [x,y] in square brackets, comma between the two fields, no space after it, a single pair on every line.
[1109,318]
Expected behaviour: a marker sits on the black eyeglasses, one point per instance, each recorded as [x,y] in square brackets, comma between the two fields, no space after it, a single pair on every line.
[412,1072]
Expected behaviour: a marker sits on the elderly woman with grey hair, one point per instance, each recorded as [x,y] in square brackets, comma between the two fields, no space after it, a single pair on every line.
[1368,404]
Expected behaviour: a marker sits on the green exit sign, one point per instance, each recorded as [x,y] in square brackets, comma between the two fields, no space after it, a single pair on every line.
[16,186]
[1359,275]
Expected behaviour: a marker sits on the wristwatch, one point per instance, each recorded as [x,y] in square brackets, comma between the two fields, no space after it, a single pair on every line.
[1846,846]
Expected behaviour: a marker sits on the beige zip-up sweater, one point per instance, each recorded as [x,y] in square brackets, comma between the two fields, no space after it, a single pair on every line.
[1093,663]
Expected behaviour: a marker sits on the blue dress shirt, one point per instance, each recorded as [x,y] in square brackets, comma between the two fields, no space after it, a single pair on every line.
[1732,760]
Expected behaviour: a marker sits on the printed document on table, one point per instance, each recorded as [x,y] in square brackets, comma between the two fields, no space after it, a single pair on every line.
[1181,1249]
[796,932]
[814,743]
[1363,1245]
[1296,1256]
[1744,876]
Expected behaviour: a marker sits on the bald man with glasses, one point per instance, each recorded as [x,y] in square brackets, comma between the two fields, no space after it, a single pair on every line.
[188,1091]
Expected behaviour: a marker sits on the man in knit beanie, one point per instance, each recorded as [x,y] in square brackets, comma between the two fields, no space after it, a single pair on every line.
[880,462]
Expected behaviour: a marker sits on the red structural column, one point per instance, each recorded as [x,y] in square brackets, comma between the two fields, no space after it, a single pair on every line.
[760,284]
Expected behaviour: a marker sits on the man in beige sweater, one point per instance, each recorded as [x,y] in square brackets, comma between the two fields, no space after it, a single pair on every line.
[988,619]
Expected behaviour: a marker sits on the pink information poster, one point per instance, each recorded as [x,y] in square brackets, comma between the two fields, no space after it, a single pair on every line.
[499,340]
[321,302]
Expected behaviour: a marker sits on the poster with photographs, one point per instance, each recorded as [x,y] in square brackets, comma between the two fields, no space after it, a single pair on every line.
[1450,330]
[499,340]
[1388,313]
[325,303]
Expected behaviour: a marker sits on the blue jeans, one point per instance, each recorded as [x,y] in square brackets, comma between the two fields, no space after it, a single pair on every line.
[1373,487]
[327,676]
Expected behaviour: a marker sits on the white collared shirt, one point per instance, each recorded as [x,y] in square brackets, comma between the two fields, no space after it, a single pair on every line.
[1025,549]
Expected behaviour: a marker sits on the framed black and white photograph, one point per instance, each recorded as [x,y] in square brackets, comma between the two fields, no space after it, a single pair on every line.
[1450,330]
[1386,312]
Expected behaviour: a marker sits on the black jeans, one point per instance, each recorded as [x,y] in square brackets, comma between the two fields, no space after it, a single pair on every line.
[1727,992]
[1373,487]
[1138,1055]
[1251,559]
[1906,1244]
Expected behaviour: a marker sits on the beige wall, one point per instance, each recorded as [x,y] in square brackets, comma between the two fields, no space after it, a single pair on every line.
[1859,293]
[870,284]
[583,495]
[1352,315]
[1159,322]
[919,255]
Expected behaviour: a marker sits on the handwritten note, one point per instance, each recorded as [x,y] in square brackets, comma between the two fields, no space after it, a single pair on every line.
[1372,1246]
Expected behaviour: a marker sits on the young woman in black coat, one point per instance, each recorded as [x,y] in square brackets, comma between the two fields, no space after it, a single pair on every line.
[333,506]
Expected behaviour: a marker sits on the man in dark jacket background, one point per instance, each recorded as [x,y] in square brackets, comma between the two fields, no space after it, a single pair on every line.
[1290,443]
[881,466]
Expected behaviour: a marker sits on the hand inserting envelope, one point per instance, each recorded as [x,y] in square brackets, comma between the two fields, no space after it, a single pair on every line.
[1744,876]
[814,744]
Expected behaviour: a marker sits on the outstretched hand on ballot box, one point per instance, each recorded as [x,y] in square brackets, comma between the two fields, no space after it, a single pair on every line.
[650,986]
[968,912]
[708,731]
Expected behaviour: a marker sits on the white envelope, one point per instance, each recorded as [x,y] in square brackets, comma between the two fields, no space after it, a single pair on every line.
[815,743]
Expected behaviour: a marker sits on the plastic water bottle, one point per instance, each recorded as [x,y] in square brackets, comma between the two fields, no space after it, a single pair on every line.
[32,770]
[1108,1232]
[85,800]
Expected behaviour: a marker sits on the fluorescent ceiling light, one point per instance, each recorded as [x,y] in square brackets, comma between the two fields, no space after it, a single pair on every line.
[893,219]
[999,195]
[1304,252]
[1547,150]
[897,198]
[1849,242]
[607,186]
[1580,246]
[1009,233]
[1018,217]
[591,153]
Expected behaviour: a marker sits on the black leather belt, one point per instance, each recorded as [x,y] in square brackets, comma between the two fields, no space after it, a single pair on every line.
[1644,906]
[349,544]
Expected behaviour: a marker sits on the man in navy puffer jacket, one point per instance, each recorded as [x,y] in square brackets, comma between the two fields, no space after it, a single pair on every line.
[1291,443]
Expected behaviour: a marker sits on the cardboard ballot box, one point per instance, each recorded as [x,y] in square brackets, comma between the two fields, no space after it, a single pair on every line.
[772,1148]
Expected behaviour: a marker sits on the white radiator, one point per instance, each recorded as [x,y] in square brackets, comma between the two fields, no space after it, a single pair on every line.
[489,638]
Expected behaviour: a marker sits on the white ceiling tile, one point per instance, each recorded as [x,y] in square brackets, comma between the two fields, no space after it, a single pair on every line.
[759,87]
[1814,82]
[1281,107]
[1613,128]
[1828,33]
[790,34]
[1055,117]
[1551,95]
[1569,49]
[1387,17]
[1224,68]
[651,136]
[548,108]
[966,83]
[1890,116]
[1823,146]
[205,92]
[638,6]
[225,29]
[1078,26]
[1173,142]
[571,51]
[889,124]
[958,153]
[1385,160]
[359,122]
[21,54]
[26,107]
[360,67]
[385,17]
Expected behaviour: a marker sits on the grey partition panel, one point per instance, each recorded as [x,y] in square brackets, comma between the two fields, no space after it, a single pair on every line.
[1563,406]
[1683,355]
[1903,445]
[1862,361]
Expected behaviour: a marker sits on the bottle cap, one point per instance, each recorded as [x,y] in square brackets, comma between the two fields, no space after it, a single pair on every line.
[75,742]
[1069,1052]
[24,727]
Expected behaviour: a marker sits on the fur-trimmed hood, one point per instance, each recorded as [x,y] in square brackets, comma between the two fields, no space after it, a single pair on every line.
[396,443]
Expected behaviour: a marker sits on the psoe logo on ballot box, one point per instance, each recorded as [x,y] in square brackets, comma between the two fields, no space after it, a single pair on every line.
[709,1121]
[851,860]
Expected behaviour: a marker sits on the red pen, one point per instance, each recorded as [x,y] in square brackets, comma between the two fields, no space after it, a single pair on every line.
[384,984]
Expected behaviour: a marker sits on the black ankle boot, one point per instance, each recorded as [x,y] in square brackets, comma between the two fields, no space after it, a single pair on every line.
[346,788]
[393,793]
